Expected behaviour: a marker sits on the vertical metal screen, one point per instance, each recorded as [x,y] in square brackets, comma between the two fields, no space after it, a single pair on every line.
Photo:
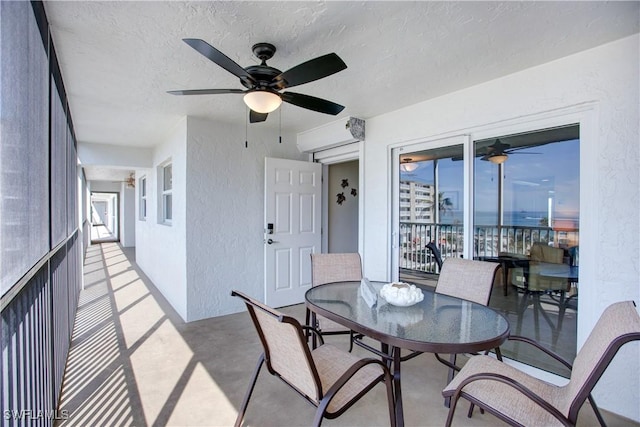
[41,246]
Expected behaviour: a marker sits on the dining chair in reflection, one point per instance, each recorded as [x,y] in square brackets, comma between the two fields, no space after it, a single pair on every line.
[521,399]
[330,379]
[331,268]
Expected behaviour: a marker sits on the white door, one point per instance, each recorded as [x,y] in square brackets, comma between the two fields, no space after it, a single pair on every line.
[292,211]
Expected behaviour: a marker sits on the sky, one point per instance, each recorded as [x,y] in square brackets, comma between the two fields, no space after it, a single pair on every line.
[530,179]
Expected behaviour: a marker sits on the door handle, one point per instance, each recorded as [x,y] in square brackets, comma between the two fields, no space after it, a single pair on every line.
[271,241]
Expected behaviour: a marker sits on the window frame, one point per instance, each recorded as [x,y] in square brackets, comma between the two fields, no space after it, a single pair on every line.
[165,191]
[142,198]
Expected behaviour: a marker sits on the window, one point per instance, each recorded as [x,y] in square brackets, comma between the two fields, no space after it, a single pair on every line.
[167,188]
[143,198]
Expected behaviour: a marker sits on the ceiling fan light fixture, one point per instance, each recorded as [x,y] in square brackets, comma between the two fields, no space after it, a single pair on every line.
[407,165]
[262,101]
[498,158]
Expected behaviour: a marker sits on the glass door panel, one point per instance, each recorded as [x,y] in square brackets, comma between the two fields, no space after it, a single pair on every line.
[431,186]
[526,217]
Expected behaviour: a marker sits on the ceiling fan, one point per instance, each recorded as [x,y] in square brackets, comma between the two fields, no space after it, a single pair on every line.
[130,180]
[264,83]
[498,152]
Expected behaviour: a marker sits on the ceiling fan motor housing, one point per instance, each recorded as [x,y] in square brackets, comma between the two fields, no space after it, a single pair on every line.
[263,75]
[263,51]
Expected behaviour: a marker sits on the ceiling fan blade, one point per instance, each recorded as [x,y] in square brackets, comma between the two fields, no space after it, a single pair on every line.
[309,71]
[312,103]
[255,117]
[220,58]
[205,91]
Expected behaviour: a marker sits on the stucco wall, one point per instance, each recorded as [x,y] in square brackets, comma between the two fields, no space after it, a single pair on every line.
[161,249]
[607,80]
[127,216]
[225,212]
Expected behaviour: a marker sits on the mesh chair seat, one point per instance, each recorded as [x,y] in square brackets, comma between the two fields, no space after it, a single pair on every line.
[332,363]
[502,398]
[328,326]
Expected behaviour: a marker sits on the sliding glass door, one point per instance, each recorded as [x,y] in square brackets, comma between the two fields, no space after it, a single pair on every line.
[514,200]
[526,215]
[431,209]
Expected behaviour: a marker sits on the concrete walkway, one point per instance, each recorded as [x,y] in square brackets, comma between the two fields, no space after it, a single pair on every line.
[133,361]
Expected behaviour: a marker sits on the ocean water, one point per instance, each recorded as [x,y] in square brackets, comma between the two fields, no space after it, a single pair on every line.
[519,218]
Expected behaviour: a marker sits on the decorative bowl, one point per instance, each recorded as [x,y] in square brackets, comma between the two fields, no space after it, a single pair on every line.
[401,294]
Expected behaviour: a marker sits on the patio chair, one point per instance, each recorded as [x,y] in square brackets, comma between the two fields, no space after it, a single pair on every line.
[520,399]
[436,253]
[469,280]
[330,379]
[330,268]
[538,287]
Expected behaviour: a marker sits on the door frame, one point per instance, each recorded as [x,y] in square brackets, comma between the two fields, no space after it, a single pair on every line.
[116,206]
[331,156]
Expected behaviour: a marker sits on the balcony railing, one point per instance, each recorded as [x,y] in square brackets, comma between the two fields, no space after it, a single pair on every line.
[489,241]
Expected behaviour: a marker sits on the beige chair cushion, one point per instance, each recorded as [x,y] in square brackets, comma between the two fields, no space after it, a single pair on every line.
[545,253]
[327,325]
[290,361]
[467,279]
[504,398]
[331,363]
[330,268]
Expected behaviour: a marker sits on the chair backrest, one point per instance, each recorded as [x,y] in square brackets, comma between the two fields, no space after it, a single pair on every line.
[543,252]
[618,325]
[540,254]
[329,268]
[467,279]
[436,253]
[285,347]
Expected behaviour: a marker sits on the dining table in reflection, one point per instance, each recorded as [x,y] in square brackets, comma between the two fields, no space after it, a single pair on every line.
[437,324]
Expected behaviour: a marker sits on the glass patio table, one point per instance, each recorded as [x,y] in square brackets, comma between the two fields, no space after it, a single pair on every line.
[437,324]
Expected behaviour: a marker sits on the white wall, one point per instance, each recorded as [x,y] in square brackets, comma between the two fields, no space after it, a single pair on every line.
[225,212]
[114,155]
[605,81]
[127,216]
[160,248]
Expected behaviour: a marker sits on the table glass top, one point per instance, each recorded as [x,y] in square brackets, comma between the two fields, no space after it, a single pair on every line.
[437,319]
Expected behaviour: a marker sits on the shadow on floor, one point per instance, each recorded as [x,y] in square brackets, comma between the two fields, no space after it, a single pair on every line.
[133,361]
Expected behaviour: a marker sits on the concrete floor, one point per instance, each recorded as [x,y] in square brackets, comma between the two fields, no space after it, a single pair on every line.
[133,361]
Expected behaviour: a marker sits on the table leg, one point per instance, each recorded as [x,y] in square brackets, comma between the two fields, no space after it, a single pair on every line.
[505,277]
[397,388]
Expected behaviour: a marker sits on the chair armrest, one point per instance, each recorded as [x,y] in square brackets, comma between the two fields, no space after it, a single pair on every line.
[541,348]
[512,383]
[311,329]
[344,378]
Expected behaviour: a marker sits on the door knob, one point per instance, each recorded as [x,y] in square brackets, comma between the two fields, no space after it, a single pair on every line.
[271,241]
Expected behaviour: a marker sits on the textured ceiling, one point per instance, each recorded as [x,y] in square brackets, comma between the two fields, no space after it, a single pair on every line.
[118,59]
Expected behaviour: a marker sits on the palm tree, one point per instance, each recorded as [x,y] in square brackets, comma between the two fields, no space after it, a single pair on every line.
[444,203]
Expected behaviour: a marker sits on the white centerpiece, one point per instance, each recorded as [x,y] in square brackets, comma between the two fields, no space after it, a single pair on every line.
[401,294]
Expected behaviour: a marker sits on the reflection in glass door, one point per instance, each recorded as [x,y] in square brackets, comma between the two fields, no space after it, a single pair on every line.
[431,210]
[523,213]
[526,217]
